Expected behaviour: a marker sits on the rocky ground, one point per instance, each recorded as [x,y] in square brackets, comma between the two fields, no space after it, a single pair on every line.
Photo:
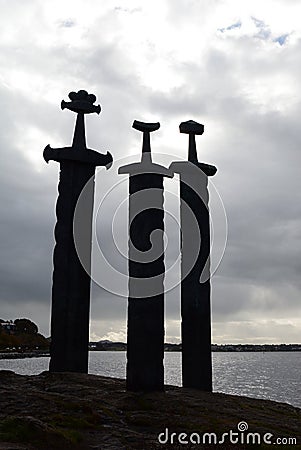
[77,411]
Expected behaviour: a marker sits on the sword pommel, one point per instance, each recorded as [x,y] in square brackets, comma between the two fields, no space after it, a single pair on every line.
[81,102]
[146,127]
[191,127]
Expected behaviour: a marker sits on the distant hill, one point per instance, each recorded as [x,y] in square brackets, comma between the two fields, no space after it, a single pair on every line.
[22,335]
[121,346]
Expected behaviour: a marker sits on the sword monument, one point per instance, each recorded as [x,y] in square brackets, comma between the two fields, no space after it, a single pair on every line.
[195,264]
[71,282]
[145,338]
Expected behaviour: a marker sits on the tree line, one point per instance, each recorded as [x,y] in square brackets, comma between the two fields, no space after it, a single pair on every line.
[21,335]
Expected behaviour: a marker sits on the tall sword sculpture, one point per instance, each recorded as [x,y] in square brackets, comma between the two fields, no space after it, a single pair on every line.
[195,264]
[71,282]
[145,338]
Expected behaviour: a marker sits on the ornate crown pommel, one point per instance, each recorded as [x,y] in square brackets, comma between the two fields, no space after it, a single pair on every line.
[81,102]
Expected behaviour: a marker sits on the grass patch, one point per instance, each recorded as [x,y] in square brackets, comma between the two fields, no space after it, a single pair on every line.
[30,430]
[66,421]
[73,436]
[14,430]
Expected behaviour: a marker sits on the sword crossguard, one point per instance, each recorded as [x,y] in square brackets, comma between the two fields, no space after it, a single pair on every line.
[85,156]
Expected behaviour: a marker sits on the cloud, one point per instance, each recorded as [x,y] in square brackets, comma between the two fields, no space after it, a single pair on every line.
[169,65]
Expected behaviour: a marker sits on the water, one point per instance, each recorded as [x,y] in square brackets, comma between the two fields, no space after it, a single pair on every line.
[272,375]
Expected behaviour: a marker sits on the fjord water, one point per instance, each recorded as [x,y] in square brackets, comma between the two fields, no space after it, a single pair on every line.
[269,375]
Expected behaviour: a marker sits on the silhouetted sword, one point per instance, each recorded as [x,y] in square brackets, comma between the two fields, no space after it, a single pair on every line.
[71,281]
[145,338]
[195,264]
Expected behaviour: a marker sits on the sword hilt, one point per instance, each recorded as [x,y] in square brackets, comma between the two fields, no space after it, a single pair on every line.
[81,103]
[146,129]
[145,166]
[192,128]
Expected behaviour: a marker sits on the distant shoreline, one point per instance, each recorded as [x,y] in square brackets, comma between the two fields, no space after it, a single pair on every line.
[121,346]
[169,348]
[22,355]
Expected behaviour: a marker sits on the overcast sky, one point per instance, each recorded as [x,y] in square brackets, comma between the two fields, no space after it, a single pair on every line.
[234,66]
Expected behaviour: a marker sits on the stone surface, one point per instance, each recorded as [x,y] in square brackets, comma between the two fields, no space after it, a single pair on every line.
[81,412]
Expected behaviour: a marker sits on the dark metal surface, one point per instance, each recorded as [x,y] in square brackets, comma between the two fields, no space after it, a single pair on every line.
[195,275]
[71,282]
[145,339]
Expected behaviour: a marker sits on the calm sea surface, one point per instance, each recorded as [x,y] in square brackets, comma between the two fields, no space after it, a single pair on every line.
[272,375]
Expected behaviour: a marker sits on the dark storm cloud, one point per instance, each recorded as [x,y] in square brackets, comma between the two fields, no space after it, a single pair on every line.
[259,159]
[28,194]
[247,96]
[25,244]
